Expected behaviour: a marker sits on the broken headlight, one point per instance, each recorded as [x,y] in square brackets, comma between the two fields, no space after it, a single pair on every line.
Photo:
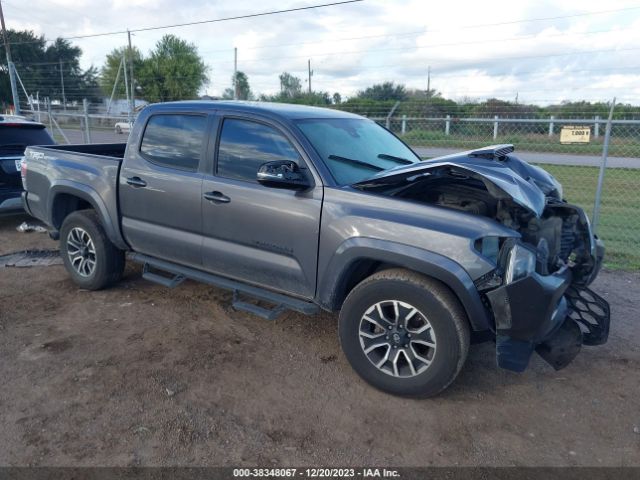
[521,262]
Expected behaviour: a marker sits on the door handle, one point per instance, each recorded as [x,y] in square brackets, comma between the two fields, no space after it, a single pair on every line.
[216,197]
[136,182]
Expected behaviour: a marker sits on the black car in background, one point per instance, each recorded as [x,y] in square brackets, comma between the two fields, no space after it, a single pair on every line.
[16,134]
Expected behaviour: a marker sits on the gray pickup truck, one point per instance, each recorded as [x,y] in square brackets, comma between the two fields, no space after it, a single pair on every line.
[302,208]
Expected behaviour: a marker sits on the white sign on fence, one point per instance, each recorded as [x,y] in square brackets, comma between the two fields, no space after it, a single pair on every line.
[575,134]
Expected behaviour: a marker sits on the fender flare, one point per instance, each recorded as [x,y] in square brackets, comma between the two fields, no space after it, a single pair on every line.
[412,258]
[88,194]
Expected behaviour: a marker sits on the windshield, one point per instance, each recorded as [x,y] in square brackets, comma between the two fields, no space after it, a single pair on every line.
[355,149]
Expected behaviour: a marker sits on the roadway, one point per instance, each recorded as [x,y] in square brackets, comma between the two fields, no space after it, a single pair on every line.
[76,136]
[547,158]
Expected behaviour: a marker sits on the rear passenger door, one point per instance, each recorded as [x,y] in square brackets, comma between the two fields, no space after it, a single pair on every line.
[260,235]
[161,188]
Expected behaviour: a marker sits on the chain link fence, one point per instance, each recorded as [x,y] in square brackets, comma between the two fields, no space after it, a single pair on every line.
[538,140]
[84,124]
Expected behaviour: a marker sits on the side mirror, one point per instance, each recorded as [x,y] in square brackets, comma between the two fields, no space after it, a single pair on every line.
[282,174]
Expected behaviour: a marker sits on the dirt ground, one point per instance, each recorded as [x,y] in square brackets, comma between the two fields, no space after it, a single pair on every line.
[142,375]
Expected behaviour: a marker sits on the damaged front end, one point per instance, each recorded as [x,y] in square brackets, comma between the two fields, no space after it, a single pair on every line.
[538,293]
[551,312]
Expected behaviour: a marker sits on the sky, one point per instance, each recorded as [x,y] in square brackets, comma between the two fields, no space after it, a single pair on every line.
[540,51]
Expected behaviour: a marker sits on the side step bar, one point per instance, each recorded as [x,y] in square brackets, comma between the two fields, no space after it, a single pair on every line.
[169,282]
[266,313]
[179,274]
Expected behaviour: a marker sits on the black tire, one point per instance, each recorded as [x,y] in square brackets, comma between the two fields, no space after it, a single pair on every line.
[108,259]
[436,303]
[118,130]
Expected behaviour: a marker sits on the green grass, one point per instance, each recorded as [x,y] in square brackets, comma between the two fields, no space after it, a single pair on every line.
[620,146]
[619,224]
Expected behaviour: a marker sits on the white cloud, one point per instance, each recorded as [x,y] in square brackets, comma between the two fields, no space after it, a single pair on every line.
[474,49]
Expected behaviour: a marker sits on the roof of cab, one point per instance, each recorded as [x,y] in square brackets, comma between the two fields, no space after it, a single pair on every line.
[284,110]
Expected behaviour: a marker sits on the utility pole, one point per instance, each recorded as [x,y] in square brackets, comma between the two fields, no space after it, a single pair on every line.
[603,167]
[429,81]
[310,74]
[235,73]
[126,83]
[132,101]
[10,66]
[64,97]
[115,84]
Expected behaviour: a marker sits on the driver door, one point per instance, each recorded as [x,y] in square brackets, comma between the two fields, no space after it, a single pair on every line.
[256,234]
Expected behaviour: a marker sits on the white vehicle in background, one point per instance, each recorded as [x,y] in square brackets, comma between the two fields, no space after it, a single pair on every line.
[123,127]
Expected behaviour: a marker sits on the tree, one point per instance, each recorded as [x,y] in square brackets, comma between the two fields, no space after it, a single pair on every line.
[173,71]
[27,50]
[39,68]
[417,94]
[65,58]
[109,70]
[242,86]
[290,86]
[384,91]
[337,98]
[87,83]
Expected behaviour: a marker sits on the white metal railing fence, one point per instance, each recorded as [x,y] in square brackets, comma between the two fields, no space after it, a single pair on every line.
[495,122]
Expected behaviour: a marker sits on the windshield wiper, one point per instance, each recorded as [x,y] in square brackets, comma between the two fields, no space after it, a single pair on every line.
[403,161]
[356,162]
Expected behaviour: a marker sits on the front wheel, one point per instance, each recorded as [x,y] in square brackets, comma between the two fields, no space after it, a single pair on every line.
[404,333]
[88,255]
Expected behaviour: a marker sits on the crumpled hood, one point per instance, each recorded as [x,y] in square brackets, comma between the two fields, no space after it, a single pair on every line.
[504,175]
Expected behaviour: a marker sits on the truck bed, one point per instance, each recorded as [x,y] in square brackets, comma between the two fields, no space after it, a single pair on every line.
[60,176]
[113,150]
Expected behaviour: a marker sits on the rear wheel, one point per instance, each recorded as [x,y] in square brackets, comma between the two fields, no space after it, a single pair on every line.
[88,255]
[404,333]
[118,129]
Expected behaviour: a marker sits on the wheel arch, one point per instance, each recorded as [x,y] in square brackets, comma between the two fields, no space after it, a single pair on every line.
[359,258]
[69,197]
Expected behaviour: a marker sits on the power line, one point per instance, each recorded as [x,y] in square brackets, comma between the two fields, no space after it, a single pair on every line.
[541,19]
[426,30]
[450,74]
[548,55]
[499,40]
[420,32]
[201,22]
[48,63]
[479,63]
[417,47]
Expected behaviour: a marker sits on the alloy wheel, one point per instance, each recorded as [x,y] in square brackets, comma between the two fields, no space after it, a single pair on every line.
[397,338]
[81,252]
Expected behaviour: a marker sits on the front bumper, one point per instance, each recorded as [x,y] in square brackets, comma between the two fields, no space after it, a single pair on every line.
[531,308]
[526,312]
[551,314]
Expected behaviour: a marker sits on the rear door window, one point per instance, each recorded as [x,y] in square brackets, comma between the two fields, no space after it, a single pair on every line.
[174,140]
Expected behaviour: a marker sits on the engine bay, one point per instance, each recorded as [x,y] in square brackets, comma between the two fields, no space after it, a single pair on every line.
[560,236]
